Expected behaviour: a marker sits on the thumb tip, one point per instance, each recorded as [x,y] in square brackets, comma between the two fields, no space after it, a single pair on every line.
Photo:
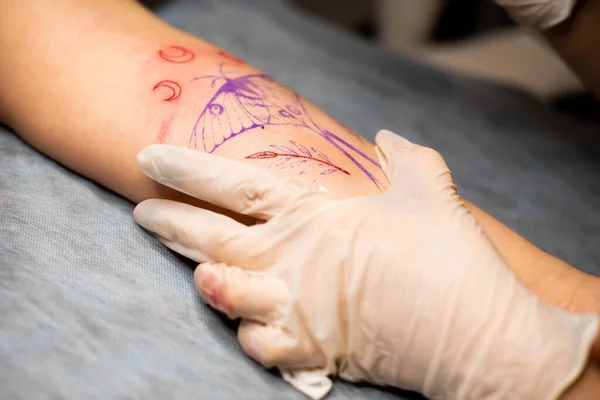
[389,141]
[389,149]
[384,134]
[143,157]
[385,138]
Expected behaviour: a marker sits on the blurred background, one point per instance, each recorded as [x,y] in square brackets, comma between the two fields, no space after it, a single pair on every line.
[471,37]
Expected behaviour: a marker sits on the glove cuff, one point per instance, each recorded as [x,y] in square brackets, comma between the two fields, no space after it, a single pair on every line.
[535,358]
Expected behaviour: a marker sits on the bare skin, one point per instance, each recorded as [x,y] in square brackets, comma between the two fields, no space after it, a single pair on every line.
[95,104]
[577,41]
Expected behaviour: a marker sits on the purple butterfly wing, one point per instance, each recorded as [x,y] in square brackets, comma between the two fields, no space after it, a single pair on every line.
[285,106]
[238,106]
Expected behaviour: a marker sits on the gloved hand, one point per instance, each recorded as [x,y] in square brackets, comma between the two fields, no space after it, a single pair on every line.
[539,14]
[399,289]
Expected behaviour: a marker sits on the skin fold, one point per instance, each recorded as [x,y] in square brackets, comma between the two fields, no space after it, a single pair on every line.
[119,79]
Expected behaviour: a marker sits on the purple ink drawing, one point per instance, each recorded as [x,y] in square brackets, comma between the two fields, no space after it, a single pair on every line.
[254,101]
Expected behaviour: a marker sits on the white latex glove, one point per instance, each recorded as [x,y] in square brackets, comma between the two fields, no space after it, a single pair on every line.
[400,289]
[539,14]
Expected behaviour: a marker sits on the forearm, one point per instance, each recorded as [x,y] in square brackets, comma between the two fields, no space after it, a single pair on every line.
[77,93]
[586,387]
[93,96]
[577,41]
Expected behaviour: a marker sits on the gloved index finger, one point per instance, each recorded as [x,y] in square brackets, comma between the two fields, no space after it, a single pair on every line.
[231,184]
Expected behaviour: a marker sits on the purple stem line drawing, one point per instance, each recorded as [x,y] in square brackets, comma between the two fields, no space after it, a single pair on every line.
[254,101]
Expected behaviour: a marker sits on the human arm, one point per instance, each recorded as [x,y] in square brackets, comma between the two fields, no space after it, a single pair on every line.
[570,26]
[587,387]
[399,289]
[84,96]
[92,95]
[577,41]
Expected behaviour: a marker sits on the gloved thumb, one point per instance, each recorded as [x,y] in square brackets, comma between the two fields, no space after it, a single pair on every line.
[411,168]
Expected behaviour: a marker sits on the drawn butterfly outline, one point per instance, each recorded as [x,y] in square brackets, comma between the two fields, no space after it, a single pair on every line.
[245,103]
[252,101]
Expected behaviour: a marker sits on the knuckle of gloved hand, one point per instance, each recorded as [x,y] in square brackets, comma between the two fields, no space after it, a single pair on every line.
[252,198]
[226,237]
[213,241]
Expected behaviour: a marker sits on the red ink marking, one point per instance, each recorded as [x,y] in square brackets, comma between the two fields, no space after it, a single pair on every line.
[176,54]
[163,134]
[230,57]
[173,86]
[271,154]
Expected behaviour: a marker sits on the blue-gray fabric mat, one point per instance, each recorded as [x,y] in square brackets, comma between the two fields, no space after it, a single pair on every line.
[91,307]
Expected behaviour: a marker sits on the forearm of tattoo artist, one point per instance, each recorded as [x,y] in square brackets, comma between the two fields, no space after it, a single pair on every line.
[90,83]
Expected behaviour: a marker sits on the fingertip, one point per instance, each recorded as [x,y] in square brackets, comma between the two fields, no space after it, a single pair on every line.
[389,142]
[145,211]
[388,146]
[145,157]
[162,161]
[141,212]
[212,287]
[384,135]
[201,276]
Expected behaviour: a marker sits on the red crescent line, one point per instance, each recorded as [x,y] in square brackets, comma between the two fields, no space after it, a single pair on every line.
[182,55]
[174,86]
